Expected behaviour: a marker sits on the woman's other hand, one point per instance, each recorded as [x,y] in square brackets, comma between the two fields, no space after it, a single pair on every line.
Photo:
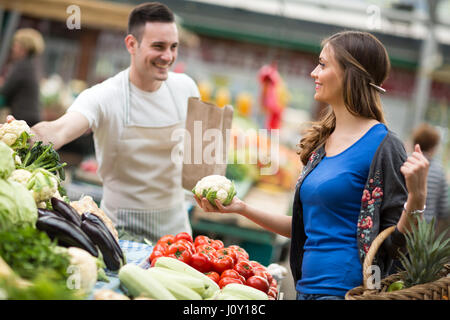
[415,171]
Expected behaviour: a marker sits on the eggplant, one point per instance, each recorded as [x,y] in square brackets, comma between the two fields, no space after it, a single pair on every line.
[46,212]
[66,211]
[66,233]
[94,219]
[99,237]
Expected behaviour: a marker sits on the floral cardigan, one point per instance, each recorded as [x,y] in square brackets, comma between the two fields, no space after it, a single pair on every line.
[381,206]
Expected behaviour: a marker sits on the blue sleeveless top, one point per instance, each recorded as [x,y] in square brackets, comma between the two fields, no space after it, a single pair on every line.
[331,199]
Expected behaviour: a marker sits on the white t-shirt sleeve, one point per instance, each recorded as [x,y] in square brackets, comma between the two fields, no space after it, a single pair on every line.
[87,104]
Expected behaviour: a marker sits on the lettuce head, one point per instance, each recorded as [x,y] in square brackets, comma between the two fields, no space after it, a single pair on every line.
[17,206]
[6,160]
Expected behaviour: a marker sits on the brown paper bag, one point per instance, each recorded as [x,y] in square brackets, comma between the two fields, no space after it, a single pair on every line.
[206,141]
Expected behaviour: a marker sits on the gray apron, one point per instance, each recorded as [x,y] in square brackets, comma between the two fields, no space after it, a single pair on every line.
[144,195]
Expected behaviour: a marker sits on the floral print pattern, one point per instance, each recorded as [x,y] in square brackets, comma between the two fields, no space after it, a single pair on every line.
[370,201]
[312,162]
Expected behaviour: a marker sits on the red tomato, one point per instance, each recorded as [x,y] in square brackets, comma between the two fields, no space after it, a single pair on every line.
[161,247]
[230,273]
[217,244]
[153,262]
[155,254]
[241,257]
[226,252]
[213,276]
[272,292]
[262,273]
[225,281]
[222,263]
[180,252]
[187,244]
[199,240]
[274,283]
[205,248]
[167,239]
[244,268]
[256,264]
[258,282]
[201,261]
[239,251]
[184,235]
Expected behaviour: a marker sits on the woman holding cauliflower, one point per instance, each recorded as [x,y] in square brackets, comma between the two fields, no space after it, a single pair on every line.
[357,179]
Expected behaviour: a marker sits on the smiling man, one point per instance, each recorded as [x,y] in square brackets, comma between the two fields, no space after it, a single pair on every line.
[133,115]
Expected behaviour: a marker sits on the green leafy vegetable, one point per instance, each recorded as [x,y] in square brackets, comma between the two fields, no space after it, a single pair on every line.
[44,157]
[21,142]
[43,287]
[29,252]
[17,206]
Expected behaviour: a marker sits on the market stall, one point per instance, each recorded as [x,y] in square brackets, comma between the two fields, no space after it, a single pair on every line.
[55,248]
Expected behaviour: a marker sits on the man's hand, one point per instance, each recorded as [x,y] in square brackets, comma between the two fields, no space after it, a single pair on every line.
[9,118]
[61,131]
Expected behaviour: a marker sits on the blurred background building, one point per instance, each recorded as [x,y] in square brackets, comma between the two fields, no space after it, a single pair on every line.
[226,42]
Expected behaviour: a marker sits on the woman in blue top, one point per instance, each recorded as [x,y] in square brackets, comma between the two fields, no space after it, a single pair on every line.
[356,181]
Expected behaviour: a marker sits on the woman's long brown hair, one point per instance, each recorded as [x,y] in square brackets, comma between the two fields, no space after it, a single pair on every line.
[364,60]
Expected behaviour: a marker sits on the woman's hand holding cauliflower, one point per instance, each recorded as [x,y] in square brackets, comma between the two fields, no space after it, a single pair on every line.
[216,193]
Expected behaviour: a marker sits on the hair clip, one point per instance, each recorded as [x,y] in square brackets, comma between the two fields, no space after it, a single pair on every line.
[380,89]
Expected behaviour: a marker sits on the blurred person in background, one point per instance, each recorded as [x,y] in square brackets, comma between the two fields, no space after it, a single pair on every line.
[357,179]
[428,138]
[20,88]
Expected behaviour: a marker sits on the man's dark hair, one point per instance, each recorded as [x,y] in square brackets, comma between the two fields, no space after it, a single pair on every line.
[148,12]
[426,136]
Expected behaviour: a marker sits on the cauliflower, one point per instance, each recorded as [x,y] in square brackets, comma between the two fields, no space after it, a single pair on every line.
[83,269]
[15,134]
[215,187]
[43,185]
[21,176]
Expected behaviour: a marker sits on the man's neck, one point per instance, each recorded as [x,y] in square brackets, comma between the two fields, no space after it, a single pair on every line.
[142,83]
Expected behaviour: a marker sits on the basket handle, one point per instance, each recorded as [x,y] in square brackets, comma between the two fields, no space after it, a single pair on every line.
[367,272]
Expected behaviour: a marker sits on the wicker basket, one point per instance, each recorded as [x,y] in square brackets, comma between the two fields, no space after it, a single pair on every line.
[436,290]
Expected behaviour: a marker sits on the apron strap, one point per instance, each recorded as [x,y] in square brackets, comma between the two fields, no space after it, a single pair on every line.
[172,95]
[127,98]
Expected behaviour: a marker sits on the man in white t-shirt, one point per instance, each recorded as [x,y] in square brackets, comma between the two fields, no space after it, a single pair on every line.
[133,115]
